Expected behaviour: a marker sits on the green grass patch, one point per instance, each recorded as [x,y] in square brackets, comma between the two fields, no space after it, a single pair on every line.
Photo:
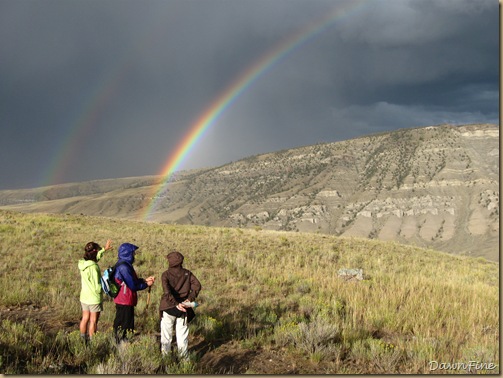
[262,290]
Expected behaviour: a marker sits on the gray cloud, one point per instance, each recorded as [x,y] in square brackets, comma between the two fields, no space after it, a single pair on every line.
[118,84]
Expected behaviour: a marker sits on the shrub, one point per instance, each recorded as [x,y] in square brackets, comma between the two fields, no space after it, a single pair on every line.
[378,355]
[317,338]
[208,326]
[20,343]
[141,356]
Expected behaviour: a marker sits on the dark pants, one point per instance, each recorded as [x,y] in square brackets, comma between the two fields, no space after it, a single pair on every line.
[124,321]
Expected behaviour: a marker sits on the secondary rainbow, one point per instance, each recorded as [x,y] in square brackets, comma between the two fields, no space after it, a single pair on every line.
[76,141]
[82,129]
[235,89]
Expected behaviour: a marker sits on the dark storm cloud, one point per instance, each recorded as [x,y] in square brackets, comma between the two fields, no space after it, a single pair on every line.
[133,77]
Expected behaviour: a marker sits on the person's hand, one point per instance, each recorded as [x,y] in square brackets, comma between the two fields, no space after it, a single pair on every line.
[181,307]
[150,280]
[108,245]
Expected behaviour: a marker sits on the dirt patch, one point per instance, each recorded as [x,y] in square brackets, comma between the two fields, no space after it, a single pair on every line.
[43,316]
[232,358]
[225,359]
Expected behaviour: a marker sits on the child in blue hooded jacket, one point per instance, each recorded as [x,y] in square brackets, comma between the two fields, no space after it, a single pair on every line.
[127,298]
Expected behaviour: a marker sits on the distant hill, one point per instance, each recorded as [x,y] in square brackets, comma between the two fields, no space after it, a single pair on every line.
[435,187]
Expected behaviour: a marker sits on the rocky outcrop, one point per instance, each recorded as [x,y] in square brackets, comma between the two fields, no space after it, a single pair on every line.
[435,186]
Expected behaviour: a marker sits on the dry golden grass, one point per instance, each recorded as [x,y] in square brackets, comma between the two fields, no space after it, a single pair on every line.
[265,291]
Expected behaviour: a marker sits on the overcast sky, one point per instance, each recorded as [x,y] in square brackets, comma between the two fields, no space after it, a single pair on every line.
[93,89]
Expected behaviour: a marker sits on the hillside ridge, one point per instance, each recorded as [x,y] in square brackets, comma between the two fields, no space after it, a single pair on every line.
[435,186]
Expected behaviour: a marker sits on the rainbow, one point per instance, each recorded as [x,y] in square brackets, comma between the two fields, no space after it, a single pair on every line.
[235,89]
[82,128]
[77,138]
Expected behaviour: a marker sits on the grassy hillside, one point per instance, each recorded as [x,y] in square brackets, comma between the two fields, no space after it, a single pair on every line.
[272,302]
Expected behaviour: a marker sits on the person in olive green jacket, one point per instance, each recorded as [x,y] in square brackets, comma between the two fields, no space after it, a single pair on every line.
[91,294]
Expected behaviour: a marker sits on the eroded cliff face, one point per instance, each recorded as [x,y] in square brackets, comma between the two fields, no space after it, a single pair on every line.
[434,186]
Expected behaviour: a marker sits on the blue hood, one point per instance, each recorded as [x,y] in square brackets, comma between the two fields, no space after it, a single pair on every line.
[126,252]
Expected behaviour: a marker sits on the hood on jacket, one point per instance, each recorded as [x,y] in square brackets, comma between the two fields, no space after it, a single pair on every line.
[126,252]
[84,264]
[175,259]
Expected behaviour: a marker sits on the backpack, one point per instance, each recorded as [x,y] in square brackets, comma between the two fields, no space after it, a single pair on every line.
[108,284]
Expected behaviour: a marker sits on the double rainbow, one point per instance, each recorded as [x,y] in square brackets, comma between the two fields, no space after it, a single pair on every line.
[235,89]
